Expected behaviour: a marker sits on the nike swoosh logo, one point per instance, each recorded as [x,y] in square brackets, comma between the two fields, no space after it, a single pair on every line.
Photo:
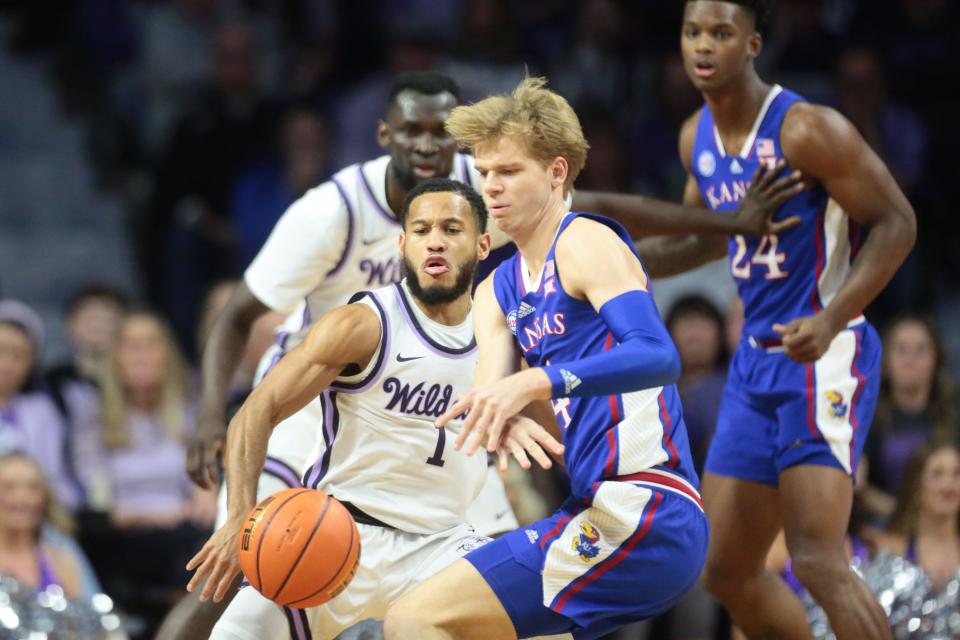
[367,243]
[400,358]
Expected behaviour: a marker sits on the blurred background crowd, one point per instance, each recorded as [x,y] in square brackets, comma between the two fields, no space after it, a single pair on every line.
[148,147]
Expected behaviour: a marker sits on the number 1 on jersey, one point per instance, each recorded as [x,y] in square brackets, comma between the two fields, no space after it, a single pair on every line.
[766,254]
[437,458]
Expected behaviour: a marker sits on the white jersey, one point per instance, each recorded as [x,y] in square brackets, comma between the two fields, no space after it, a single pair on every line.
[381,450]
[339,238]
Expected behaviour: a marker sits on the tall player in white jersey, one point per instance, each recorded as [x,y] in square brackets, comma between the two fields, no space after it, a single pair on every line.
[386,366]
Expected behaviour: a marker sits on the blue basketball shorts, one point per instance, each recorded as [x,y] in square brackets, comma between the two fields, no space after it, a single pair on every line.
[628,555]
[776,414]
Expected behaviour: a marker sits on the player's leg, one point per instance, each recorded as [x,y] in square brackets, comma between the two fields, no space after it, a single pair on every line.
[455,603]
[816,510]
[251,616]
[191,619]
[743,507]
[818,458]
[744,520]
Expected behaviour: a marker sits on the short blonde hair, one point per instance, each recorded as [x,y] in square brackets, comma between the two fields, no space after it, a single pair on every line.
[542,120]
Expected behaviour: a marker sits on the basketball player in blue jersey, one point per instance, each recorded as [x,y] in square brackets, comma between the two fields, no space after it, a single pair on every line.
[575,305]
[803,383]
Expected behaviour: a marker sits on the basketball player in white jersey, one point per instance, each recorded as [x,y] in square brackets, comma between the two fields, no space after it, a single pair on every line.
[385,367]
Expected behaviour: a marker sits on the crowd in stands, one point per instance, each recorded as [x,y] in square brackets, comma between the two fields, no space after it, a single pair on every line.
[210,117]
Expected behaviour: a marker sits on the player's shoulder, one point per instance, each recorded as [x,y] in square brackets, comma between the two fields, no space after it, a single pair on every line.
[584,233]
[688,136]
[807,124]
[351,323]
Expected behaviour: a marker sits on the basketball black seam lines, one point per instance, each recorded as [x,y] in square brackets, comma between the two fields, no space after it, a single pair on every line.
[353,532]
[264,530]
[303,549]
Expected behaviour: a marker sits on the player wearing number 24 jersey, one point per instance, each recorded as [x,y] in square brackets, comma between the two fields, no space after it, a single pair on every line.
[803,383]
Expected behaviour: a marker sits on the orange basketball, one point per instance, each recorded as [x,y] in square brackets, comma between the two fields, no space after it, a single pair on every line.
[299,547]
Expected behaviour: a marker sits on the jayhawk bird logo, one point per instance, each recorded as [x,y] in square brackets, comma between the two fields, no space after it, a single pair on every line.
[838,408]
[585,543]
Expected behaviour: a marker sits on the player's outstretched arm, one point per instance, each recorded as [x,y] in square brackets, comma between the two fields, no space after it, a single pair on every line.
[221,356]
[671,255]
[347,335]
[644,217]
[645,355]
[492,401]
[827,148]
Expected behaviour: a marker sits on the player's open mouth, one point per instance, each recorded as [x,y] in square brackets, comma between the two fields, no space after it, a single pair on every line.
[704,69]
[497,209]
[436,266]
[424,171]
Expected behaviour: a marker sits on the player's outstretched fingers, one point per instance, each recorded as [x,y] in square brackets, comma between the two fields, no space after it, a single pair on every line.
[535,451]
[783,225]
[517,451]
[228,571]
[482,414]
[503,459]
[546,440]
[495,430]
[199,562]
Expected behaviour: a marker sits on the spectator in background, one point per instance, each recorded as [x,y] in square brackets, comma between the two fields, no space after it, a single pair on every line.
[265,191]
[92,317]
[607,170]
[29,420]
[158,518]
[228,129]
[27,505]
[918,403]
[655,166]
[895,132]
[924,527]
[697,328]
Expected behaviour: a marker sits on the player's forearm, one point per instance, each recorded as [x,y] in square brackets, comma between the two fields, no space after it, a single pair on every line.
[221,357]
[246,454]
[885,249]
[669,256]
[644,216]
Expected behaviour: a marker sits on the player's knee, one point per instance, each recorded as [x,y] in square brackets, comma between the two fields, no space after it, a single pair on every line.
[820,571]
[722,581]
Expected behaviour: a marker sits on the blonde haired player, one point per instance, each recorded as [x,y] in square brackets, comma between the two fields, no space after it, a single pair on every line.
[574,303]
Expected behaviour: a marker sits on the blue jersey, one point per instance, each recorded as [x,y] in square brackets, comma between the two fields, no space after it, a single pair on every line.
[605,437]
[783,276]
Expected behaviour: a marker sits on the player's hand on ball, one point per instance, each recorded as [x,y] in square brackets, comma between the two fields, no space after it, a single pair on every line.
[765,195]
[807,339]
[218,561]
[523,438]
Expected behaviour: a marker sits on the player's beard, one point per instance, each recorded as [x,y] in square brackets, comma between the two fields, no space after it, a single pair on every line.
[439,294]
